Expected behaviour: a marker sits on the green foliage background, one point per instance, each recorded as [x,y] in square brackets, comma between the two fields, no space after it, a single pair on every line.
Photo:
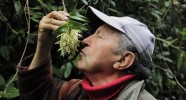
[165,18]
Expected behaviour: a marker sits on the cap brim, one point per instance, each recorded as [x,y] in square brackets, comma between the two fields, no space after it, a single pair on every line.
[98,18]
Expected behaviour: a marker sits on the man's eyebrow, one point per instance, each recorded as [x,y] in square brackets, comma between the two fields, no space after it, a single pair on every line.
[97,31]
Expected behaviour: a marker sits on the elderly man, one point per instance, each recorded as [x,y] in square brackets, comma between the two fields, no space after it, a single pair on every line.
[114,61]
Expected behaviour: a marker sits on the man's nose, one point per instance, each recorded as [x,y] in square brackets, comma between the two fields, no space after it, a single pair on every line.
[87,41]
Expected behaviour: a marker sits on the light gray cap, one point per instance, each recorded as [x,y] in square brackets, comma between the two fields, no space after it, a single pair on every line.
[136,31]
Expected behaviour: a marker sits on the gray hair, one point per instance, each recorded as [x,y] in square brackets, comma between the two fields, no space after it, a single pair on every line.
[139,67]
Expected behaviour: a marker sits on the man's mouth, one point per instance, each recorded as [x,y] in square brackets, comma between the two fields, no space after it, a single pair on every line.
[82,53]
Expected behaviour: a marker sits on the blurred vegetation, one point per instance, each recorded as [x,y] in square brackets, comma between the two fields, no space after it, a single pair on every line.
[165,18]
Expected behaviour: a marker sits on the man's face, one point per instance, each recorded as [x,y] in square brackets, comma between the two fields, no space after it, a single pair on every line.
[97,55]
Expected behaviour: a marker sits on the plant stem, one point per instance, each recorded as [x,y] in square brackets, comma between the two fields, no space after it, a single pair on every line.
[28,36]
[168,43]
[64,7]
[83,6]
[165,70]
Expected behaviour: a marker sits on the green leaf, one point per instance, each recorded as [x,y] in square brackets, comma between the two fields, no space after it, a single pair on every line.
[17,5]
[113,10]
[2,82]
[165,53]
[58,71]
[61,29]
[156,14]
[85,2]
[11,92]
[1,94]
[180,59]
[76,25]
[167,3]
[76,16]
[35,20]
[169,74]
[175,2]
[71,4]
[113,3]
[45,7]
[164,58]
[68,69]
[183,6]
[79,19]
[38,15]
[2,17]
[183,32]
[4,51]
[76,59]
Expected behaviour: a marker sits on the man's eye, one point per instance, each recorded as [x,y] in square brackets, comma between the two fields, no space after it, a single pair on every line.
[99,36]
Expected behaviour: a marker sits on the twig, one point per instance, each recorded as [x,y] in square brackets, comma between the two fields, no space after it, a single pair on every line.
[83,6]
[175,47]
[165,70]
[64,7]
[28,32]
[178,82]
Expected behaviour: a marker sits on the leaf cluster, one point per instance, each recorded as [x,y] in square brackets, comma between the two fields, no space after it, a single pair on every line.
[69,34]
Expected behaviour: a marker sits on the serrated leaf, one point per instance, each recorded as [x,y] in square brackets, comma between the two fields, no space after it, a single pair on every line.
[76,16]
[76,25]
[61,29]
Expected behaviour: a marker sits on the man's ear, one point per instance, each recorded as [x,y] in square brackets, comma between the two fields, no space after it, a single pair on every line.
[124,61]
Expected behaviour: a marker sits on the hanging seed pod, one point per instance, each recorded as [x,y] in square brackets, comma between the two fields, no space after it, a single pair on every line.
[68,35]
[69,42]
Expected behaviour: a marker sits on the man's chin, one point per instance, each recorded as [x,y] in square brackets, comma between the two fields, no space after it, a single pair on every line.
[79,64]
